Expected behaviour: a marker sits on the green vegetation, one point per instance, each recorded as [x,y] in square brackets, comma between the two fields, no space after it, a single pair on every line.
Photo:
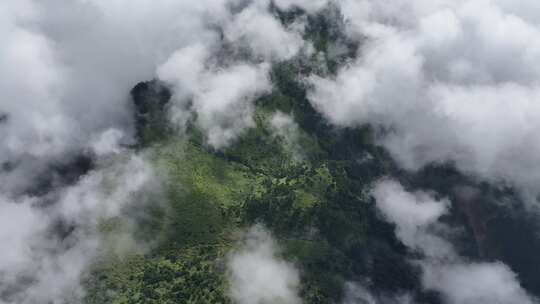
[317,207]
[191,275]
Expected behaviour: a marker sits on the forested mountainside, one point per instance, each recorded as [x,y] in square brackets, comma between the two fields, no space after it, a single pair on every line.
[310,185]
[307,183]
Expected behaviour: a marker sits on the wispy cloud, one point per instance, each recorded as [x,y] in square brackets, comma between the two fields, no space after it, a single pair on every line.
[460,281]
[258,274]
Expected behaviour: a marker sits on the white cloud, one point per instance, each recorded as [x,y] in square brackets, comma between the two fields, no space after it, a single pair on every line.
[79,84]
[258,275]
[66,69]
[107,142]
[20,223]
[50,246]
[224,102]
[310,6]
[284,127]
[356,293]
[221,97]
[413,213]
[183,69]
[266,37]
[31,127]
[443,270]
[477,283]
[449,81]
[452,80]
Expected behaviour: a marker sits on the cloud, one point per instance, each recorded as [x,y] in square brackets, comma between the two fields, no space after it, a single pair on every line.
[85,56]
[258,275]
[224,103]
[66,70]
[107,142]
[221,93]
[27,50]
[52,245]
[20,223]
[476,283]
[447,81]
[356,293]
[310,6]
[221,97]
[458,280]
[264,34]
[413,213]
[79,84]
[283,126]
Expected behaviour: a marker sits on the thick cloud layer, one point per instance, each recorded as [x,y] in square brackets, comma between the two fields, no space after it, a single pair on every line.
[67,68]
[222,98]
[458,280]
[258,275]
[448,81]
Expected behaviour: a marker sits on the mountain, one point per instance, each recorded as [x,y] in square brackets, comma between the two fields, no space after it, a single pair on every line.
[309,184]
[269,152]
